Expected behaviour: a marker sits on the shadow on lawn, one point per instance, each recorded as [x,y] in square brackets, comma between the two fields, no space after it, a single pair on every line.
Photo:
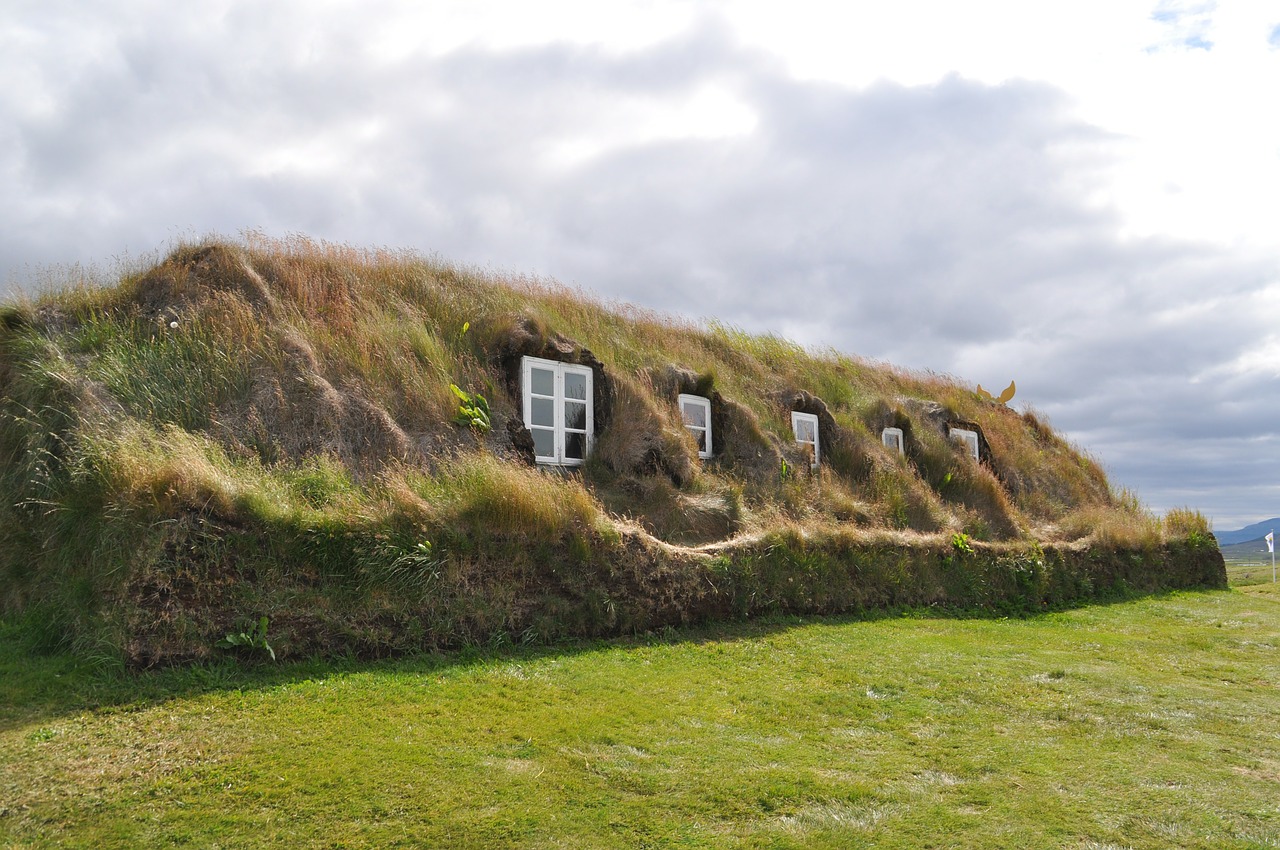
[36,687]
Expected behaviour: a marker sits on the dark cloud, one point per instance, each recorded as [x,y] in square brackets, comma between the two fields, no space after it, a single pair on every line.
[948,227]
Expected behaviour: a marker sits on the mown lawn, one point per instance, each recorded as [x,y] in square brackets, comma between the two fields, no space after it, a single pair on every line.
[1152,723]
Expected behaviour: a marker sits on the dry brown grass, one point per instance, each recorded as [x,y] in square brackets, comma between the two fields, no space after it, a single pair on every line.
[167,471]
[1126,525]
[645,437]
[483,494]
[1186,522]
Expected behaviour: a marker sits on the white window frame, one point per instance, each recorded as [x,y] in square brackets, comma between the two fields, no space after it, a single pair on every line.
[559,429]
[705,404]
[892,438]
[798,417]
[968,438]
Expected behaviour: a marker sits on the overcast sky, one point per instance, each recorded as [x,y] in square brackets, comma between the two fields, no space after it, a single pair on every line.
[1081,196]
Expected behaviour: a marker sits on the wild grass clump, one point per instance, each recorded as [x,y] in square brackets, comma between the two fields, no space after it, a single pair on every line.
[1044,475]
[1127,524]
[155,473]
[646,437]
[479,494]
[904,501]
[1190,525]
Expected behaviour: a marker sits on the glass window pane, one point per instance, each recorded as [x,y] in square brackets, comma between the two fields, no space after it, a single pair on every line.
[575,446]
[544,442]
[542,411]
[804,430]
[575,386]
[575,415]
[969,439]
[542,381]
[701,437]
[694,414]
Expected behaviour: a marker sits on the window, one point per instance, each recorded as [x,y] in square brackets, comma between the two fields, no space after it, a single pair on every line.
[696,411]
[557,410]
[968,438]
[892,438]
[806,427]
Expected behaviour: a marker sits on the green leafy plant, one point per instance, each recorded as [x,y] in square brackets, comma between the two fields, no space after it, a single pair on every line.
[255,638]
[473,409]
[785,471]
[422,555]
[415,569]
[960,542]
[1199,539]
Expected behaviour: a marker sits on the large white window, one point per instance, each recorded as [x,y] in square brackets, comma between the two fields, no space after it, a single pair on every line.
[557,410]
[696,412]
[892,439]
[969,439]
[805,426]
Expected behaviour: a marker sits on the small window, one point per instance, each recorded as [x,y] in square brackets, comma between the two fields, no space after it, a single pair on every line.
[557,410]
[805,426]
[696,412]
[892,439]
[968,438]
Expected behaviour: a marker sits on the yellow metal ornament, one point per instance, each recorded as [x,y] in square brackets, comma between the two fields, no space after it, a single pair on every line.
[1003,398]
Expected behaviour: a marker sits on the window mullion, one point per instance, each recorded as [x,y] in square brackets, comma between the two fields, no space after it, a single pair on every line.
[526,384]
[559,414]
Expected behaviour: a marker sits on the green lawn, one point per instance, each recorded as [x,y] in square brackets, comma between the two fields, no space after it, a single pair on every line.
[1153,723]
[1248,569]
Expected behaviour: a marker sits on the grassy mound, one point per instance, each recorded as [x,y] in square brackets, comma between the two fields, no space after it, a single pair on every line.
[281,429]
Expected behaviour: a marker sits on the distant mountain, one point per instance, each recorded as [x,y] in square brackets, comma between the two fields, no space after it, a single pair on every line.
[1257,531]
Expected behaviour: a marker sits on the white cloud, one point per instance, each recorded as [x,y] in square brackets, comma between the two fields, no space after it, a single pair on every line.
[1188,25]
[1262,358]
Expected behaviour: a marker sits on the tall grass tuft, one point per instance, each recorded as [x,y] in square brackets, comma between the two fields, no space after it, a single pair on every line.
[479,494]
[1189,524]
